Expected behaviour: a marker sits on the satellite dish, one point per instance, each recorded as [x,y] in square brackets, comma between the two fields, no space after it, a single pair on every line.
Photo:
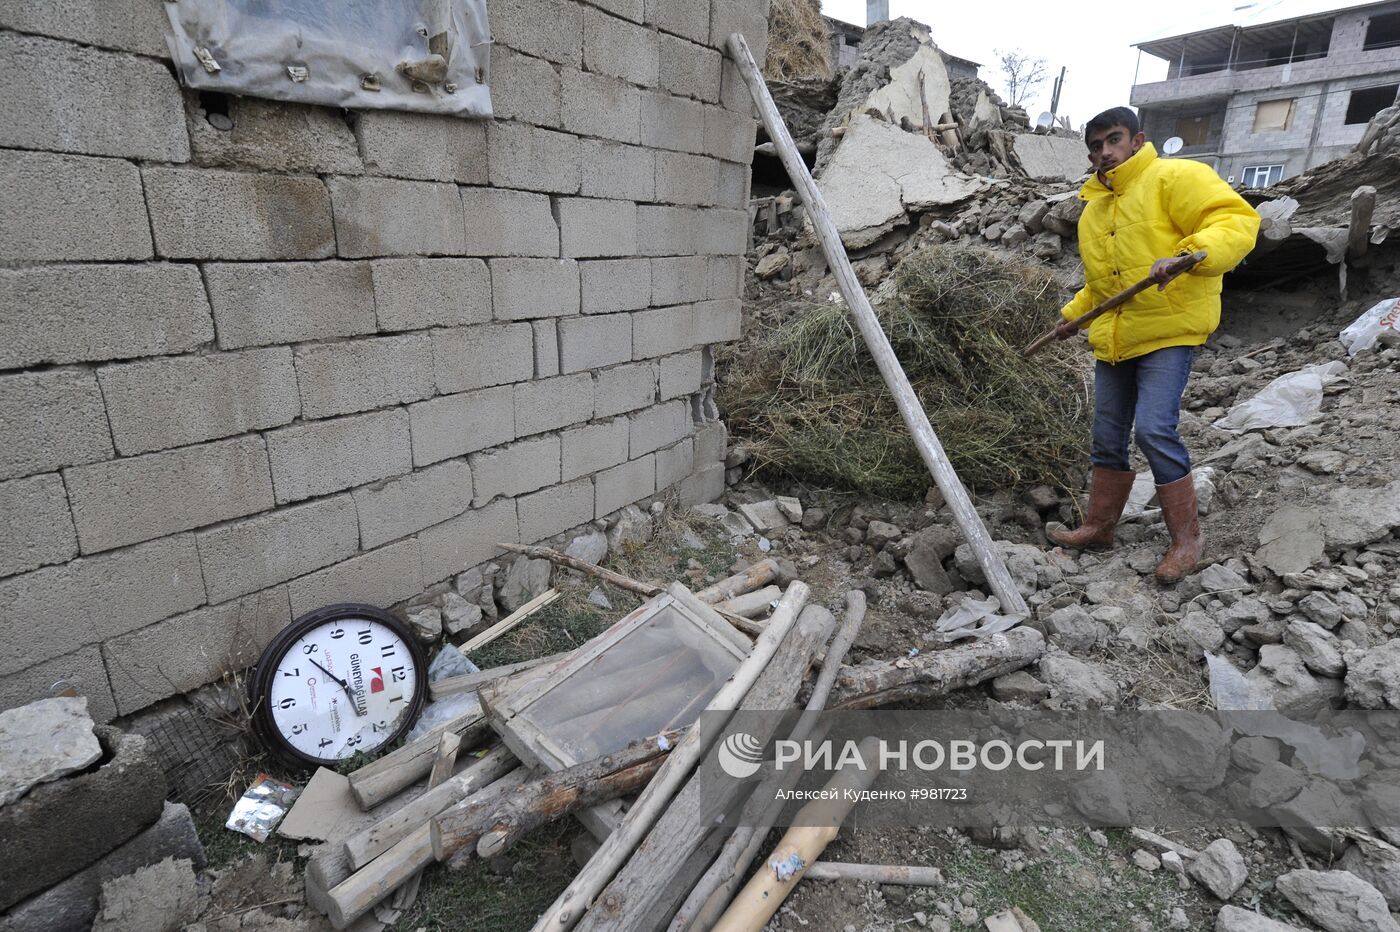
[1045,122]
[1173,145]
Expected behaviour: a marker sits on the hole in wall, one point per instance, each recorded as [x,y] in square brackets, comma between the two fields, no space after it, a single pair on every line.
[215,107]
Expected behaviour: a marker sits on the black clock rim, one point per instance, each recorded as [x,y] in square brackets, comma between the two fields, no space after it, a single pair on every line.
[264,727]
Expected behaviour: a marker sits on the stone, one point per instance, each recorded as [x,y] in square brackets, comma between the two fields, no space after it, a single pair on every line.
[1186,749]
[1050,158]
[524,580]
[1019,686]
[1307,817]
[1377,863]
[880,533]
[1316,647]
[459,616]
[1338,901]
[1281,675]
[1100,798]
[792,509]
[1254,753]
[1198,634]
[43,741]
[591,547]
[1291,540]
[426,622]
[1381,803]
[1220,868]
[1173,863]
[1075,629]
[814,519]
[1224,582]
[765,516]
[633,527]
[1146,860]
[159,898]
[1321,608]
[1373,677]
[771,265]
[1354,517]
[1078,684]
[1234,919]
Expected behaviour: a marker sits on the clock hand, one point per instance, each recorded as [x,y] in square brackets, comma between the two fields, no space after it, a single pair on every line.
[343,685]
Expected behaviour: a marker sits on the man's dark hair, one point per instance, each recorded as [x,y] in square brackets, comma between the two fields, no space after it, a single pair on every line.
[1118,116]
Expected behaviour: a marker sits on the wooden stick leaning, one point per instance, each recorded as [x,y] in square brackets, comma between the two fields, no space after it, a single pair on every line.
[915,418]
[510,621]
[583,566]
[569,906]
[746,580]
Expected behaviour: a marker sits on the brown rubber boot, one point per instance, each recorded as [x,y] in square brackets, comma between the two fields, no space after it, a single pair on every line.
[1178,500]
[1108,493]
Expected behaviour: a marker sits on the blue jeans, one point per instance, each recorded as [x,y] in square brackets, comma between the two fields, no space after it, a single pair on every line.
[1146,390]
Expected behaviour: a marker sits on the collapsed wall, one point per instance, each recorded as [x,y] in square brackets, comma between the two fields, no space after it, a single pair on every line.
[258,357]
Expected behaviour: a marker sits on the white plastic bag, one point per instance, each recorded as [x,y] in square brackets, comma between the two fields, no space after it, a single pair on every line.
[1290,400]
[1363,332]
[960,621]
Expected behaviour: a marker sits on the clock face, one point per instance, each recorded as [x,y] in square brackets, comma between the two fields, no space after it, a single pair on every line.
[338,682]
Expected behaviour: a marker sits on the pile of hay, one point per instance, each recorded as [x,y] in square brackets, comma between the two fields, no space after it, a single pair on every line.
[799,45]
[806,399]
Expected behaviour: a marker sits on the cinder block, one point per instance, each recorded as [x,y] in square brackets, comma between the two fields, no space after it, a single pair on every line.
[674,463]
[682,178]
[327,456]
[615,285]
[734,94]
[658,427]
[662,331]
[591,228]
[390,217]
[185,652]
[161,403]
[678,280]
[91,599]
[616,47]
[627,9]
[124,25]
[77,313]
[548,512]
[732,184]
[533,159]
[667,231]
[596,105]
[687,69]
[244,556]
[623,485]
[594,341]
[51,419]
[591,447]
[611,169]
[689,18]
[516,468]
[139,498]
[724,277]
[680,375]
[526,288]
[546,404]
[624,388]
[710,442]
[273,135]
[69,208]
[381,577]
[205,213]
[398,507]
[467,540]
[416,293]
[524,89]
[76,113]
[423,146]
[286,302]
[705,485]
[551,29]
[465,358]
[361,375]
[730,135]
[672,122]
[509,223]
[454,425]
[37,530]
[82,669]
[717,321]
[722,232]
[749,18]
[546,348]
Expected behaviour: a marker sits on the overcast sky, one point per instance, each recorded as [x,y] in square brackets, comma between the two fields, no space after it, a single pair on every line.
[1094,42]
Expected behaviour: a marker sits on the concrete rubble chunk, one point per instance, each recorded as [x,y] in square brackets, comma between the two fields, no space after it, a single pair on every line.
[1234,919]
[1281,675]
[1051,158]
[1187,749]
[591,546]
[459,616]
[43,741]
[765,516]
[1338,901]
[1220,868]
[1377,863]
[426,622]
[159,898]
[1019,686]
[1373,677]
[1291,540]
[921,80]
[1274,784]
[1355,517]
[791,508]
[524,580]
[1078,684]
[1317,647]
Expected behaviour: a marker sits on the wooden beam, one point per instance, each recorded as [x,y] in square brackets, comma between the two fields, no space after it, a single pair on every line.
[378,780]
[908,875]
[936,673]
[512,620]
[915,418]
[583,566]
[471,682]
[746,580]
[1363,204]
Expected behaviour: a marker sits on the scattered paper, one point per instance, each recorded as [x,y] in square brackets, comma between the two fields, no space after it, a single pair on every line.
[258,811]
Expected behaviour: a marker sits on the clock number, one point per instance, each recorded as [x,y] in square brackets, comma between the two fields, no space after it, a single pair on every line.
[396,675]
[293,672]
[398,698]
[380,726]
[355,741]
[288,702]
[323,742]
[298,728]
[366,636]
[337,633]
[310,648]
[386,650]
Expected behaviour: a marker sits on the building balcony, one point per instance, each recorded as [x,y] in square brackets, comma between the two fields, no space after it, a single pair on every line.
[1219,85]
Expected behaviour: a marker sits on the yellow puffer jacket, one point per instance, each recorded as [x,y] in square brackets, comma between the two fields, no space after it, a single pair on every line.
[1157,208]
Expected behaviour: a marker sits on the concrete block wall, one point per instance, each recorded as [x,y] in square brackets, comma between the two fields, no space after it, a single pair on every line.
[327,356]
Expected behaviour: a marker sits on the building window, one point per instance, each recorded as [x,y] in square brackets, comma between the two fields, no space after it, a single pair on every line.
[1366,102]
[1261,176]
[1193,130]
[1272,116]
[1383,32]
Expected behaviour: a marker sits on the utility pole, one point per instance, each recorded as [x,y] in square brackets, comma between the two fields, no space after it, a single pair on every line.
[1055,96]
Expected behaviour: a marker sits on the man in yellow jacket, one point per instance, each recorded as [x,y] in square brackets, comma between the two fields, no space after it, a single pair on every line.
[1140,213]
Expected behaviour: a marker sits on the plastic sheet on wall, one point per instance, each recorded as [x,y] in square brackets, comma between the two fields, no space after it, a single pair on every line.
[424,55]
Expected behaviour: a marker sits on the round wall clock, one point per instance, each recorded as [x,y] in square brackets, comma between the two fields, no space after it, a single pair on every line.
[339,681]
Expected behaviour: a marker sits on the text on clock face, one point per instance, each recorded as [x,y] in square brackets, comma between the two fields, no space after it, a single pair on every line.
[342,687]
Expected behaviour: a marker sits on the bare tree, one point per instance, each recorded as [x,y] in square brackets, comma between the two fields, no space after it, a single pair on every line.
[1023,74]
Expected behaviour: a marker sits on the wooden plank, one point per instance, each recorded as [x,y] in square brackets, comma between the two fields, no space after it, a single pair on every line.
[470,682]
[378,780]
[446,758]
[569,906]
[510,621]
[930,448]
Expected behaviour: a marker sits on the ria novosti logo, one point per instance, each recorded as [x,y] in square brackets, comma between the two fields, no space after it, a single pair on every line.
[740,755]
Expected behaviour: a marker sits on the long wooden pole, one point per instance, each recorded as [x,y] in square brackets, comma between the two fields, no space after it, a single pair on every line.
[569,906]
[930,449]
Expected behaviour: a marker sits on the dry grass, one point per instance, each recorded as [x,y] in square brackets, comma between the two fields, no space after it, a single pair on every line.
[798,43]
[807,400]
